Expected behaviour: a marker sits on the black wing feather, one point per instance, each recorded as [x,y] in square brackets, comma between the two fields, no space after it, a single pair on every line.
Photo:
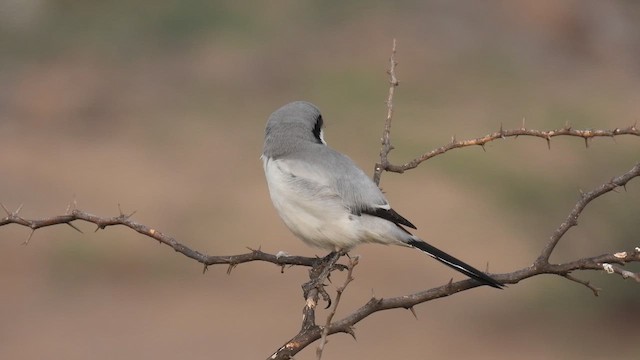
[389,214]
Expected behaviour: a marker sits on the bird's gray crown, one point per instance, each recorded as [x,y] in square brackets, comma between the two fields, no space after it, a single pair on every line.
[295,125]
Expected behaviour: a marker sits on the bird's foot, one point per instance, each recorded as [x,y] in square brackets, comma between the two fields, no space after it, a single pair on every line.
[320,272]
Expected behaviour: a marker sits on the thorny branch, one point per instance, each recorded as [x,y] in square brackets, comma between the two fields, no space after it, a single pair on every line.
[353,262]
[586,134]
[610,263]
[385,165]
[13,217]
[386,134]
[585,198]
[322,267]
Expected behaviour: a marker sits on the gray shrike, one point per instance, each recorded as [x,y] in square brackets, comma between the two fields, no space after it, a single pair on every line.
[325,199]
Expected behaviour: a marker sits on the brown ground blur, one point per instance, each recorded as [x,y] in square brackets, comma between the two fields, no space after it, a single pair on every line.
[160,107]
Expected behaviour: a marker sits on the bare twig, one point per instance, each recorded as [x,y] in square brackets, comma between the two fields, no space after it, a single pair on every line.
[386,138]
[501,134]
[124,220]
[374,305]
[585,198]
[596,291]
[312,291]
[353,262]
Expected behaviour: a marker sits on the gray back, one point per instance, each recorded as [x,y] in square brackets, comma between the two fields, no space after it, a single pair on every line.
[290,136]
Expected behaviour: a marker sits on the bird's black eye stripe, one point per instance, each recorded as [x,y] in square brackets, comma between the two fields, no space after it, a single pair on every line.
[318,128]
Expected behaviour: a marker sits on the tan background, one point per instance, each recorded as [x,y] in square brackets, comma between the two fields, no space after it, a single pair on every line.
[160,107]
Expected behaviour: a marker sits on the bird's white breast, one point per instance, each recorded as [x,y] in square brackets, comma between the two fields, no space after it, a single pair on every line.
[313,211]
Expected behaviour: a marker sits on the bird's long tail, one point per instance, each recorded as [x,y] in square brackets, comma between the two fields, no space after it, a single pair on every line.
[456,264]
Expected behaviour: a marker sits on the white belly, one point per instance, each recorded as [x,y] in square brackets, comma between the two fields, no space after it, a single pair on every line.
[315,215]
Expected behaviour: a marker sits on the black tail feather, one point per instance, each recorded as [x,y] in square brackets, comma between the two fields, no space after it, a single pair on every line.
[456,264]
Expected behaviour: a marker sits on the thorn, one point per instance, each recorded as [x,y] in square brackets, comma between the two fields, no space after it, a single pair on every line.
[567,126]
[586,142]
[254,250]
[282,269]
[26,242]
[73,204]
[231,266]
[483,148]
[450,285]
[351,332]
[120,210]
[328,299]
[501,131]
[5,209]
[18,210]
[205,268]
[453,139]
[523,123]
[548,143]
[130,215]
[75,228]
[413,311]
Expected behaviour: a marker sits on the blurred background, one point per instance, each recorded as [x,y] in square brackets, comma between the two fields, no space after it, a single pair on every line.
[160,106]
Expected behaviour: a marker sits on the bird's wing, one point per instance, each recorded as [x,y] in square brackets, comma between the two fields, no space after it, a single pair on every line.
[338,174]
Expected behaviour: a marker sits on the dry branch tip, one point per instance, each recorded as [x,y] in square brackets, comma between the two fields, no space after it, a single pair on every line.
[595,290]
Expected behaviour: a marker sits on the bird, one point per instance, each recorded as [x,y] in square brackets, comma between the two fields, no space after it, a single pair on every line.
[326,200]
